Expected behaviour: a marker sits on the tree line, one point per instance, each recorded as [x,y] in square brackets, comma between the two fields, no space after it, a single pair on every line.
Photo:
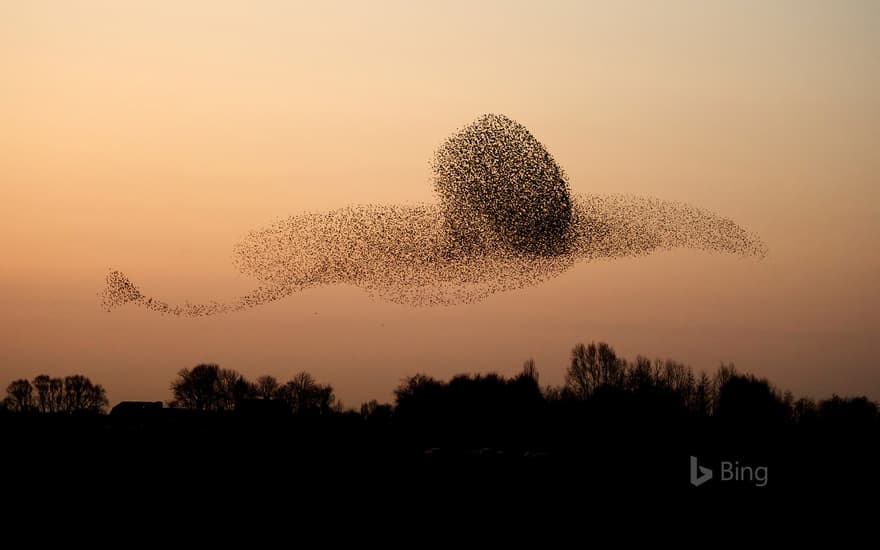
[596,379]
[46,395]
[207,387]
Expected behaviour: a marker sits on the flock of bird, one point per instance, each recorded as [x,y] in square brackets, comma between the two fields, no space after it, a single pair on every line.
[506,219]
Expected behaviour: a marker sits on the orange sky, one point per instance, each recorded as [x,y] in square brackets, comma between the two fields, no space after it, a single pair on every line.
[150,137]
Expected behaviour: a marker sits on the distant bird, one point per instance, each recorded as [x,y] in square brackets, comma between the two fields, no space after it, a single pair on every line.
[506,219]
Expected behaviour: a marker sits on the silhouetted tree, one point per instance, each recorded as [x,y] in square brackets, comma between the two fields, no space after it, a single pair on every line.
[53,395]
[529,370]
[267,387]
[44,401]
[582,376]
[375,412]
[611,369]
[303,395]
[233,388]
[850,413]
[641,377]
[244,389]
[418,386]
[81,395]
[19,396]
[526,400]
[593,366]
[418,404]
[56,395]
[749,401]
[804,411]
[197,388]
[553,393]
[675,376]
[524,387]
[703,396]
[724,373]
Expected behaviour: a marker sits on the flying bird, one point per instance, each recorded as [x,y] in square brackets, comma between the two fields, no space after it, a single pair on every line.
[505,219]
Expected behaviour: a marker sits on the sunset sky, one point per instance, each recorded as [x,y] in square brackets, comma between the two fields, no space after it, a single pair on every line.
[150,137]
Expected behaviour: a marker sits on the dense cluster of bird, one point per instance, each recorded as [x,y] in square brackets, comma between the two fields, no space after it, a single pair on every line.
[495,179]
[506,219]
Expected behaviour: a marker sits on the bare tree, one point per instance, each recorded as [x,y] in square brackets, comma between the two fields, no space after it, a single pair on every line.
[197,388]
[56,395]
[593,366]
[207,387]
[583,372]
[74,392]
[41,384]
[670,374]
[302,394]
[611,368]
[704,396]
[53,395]
[232,388]
[81,395]
[19,396]
[267,387]
[641,376]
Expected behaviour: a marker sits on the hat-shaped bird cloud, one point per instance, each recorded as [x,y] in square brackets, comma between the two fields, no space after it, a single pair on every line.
[506,219]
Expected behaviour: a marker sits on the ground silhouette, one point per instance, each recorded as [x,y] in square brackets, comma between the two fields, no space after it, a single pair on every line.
[614,424]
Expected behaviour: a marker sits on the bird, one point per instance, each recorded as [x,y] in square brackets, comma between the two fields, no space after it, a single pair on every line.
[505,218]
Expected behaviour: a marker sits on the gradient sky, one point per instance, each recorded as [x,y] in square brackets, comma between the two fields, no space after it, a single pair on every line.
[151,136]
